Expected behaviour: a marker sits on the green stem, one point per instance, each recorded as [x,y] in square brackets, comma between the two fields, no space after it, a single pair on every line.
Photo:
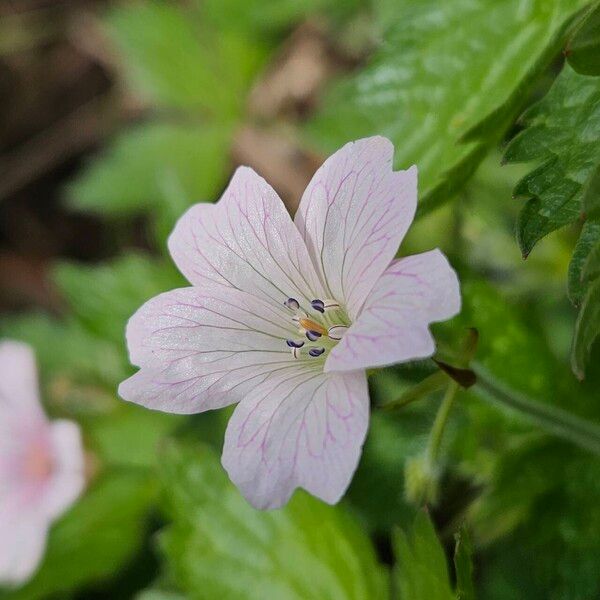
[437,430]
[553,420]
[435,382]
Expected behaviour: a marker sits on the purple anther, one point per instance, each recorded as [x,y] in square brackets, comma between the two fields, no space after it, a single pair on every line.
[292,304]
[318,305]
[294,343]
[313,336]
[316,351]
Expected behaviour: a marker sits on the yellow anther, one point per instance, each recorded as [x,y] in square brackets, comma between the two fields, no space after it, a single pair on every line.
[310,325]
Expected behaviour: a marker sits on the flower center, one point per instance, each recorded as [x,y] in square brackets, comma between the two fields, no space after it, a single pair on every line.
[38,462]
[320,328]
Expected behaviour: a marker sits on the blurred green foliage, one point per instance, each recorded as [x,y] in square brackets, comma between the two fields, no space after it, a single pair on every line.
[147,165]
[193,64]
[185,63]
[446,83]
[303,551]
[81,359]
[97,536]
[421,570]
[119,289]
[463,564]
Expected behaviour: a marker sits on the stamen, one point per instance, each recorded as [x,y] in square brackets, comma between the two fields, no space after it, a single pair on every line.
[312,328]
[318,305]
[329,304]
[311,325]
[337,332]
[292,304]
[294,343]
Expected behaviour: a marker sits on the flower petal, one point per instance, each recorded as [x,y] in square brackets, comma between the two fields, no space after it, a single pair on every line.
[21,414]
[392,326]
[18,380]
[68,478]
[299,428]
[28,505]
[353,216]
[22,545]
[246,241]
[204,348]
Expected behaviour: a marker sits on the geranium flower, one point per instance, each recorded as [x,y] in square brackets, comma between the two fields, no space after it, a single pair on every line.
[41,466]
[285,316]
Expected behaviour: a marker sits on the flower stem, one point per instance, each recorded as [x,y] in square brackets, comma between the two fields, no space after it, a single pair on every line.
[435,382]
[439,424]
[552,419]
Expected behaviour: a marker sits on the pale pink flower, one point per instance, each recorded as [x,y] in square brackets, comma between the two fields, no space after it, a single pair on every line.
[41,466]
[285,316]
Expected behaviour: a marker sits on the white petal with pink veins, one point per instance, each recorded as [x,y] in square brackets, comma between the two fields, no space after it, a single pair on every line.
[246,241]
[353,216]
[285,316]
[298,428]
[392,326]
[204,347]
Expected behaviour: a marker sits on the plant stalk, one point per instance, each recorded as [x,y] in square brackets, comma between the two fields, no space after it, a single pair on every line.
[439,424]
[433,383]
[552,419]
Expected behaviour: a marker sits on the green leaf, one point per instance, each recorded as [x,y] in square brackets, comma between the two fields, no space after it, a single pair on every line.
[66,352]
[183,62]
[446,71]
[220,547]
[563,135]
[119,289]
[421,572]
[588,240]
[377,489]
[511,344]
[95,538]
[542,503]
[129,436]
[260,17]
[538,493]
[137,170]
[591,194]
[583,50]
[591,267]
[158,594]
[587,329]
[463,565]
